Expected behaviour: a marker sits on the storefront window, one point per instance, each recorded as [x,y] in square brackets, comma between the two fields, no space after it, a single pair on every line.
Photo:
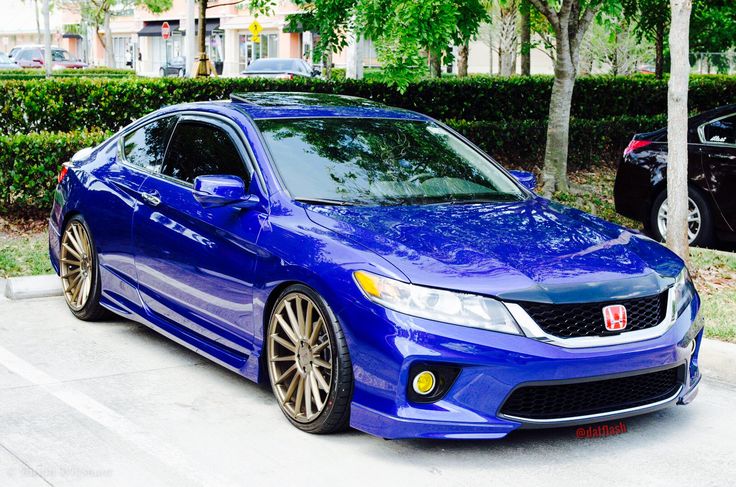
[250,51]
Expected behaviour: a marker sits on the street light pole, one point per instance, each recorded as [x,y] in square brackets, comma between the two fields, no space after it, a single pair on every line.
[47,38]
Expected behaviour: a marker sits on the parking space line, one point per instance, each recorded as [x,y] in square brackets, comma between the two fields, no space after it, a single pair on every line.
[113,421]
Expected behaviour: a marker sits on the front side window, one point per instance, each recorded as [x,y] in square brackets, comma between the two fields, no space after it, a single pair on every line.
[146,146]
[381,161]
[721,131]
[199,149]
[60,55]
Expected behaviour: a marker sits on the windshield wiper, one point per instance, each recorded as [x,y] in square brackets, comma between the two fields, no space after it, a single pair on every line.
[324,201]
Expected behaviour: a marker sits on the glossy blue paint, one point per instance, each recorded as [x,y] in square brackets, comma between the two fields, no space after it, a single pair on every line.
[204,274]
[528,179]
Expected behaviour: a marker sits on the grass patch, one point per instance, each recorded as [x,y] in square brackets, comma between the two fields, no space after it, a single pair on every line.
[597,196]
[714,272]
[24,255]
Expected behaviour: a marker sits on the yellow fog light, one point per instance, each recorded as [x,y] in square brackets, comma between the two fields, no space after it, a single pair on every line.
[424,382]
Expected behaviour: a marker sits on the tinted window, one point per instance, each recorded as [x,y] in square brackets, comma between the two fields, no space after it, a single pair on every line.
[721,131]
[381,161]
[198,149]
[146,146]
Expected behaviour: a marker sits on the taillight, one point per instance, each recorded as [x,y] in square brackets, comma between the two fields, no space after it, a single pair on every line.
[636,144]
[291,76]
[62,173]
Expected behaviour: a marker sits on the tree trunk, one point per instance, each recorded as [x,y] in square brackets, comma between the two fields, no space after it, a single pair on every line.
[47,61]
[435,65]
[526,40]
[109,47]
[554,171]
[508,40]
[659,53]
[327,62]
[38,23]
[462,60]
[677,199]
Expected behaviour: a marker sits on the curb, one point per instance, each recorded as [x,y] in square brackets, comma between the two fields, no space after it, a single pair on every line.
[717,361]
[31,287]
[716,358]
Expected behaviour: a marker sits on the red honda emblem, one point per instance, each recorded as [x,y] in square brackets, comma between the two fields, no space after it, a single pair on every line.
[615,317]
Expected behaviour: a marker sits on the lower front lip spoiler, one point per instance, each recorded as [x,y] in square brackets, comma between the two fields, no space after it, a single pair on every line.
[530,423]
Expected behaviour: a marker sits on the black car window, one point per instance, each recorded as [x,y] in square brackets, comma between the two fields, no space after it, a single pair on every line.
[721,131]
[146,146]
[198,149]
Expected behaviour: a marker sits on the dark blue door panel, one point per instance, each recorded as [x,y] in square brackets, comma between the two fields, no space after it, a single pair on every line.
[195,265]
[108,209]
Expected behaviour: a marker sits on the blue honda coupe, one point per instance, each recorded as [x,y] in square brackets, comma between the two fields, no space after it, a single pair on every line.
[373,266]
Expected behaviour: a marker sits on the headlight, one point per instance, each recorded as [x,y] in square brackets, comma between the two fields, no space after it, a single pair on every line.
[436,304]
[682,293]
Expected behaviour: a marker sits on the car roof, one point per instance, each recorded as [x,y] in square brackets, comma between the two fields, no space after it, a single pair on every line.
[263,105]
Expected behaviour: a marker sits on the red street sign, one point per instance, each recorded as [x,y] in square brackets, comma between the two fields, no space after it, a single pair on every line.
[165,30]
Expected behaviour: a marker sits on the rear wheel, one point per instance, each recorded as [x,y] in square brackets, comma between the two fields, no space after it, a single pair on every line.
[79,271]
[308,362]
[699,219]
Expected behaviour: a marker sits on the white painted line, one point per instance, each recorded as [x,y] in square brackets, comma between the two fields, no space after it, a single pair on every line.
[114,422]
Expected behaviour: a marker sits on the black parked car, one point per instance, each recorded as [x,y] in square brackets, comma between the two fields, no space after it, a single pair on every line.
[640,189]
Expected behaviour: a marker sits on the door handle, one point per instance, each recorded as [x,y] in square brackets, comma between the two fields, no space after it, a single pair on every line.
[152,199]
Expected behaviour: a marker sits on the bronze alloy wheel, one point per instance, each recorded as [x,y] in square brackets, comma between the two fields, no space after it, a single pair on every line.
[76,264]
[300,362]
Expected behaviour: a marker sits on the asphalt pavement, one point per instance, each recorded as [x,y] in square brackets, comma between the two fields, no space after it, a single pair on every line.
[114,403]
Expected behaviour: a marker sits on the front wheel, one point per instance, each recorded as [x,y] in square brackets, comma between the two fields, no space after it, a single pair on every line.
[308,362]
[699,219]
[80,272]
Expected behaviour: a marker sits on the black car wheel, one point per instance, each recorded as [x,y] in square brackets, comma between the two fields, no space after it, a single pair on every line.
[699,219]
[308,362]
[180,73]
[80,272]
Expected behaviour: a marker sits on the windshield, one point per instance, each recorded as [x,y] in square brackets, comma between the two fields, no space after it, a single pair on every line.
[381,161]
[60,55]
[274,65]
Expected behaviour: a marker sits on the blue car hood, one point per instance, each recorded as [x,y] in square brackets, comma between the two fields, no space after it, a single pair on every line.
[529,250]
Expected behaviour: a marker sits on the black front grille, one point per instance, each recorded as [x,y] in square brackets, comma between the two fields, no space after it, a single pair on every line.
[586,319]
[559,401]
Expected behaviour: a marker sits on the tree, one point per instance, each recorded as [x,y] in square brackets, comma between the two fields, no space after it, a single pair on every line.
[651,20]
[98,13]
[525,37]
[677,199]
[569,25]
[505,18]
[403,31]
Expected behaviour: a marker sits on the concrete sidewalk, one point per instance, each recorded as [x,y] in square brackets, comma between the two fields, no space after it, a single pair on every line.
[116,404]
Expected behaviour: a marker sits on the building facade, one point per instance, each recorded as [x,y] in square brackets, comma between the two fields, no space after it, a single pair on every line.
[138,43]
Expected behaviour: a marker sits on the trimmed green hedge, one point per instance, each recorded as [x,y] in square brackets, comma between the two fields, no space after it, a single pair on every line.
[30,163]
[108,104]
[521,143]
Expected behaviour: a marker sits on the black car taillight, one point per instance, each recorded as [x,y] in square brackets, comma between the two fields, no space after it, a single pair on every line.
[636,144]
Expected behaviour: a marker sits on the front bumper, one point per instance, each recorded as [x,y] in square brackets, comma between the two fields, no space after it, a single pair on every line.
[492,366]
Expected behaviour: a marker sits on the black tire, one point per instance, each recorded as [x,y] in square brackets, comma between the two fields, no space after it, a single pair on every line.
[705,234]
[91,310]
[180,73]
[335,415]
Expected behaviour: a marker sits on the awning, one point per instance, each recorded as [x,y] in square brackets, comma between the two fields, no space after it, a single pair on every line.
[153,28]
[71,36]
[210,26]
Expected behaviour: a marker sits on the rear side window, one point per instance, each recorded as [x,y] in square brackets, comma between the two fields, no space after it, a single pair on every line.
[199,149]
[721,131]
[146,146]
